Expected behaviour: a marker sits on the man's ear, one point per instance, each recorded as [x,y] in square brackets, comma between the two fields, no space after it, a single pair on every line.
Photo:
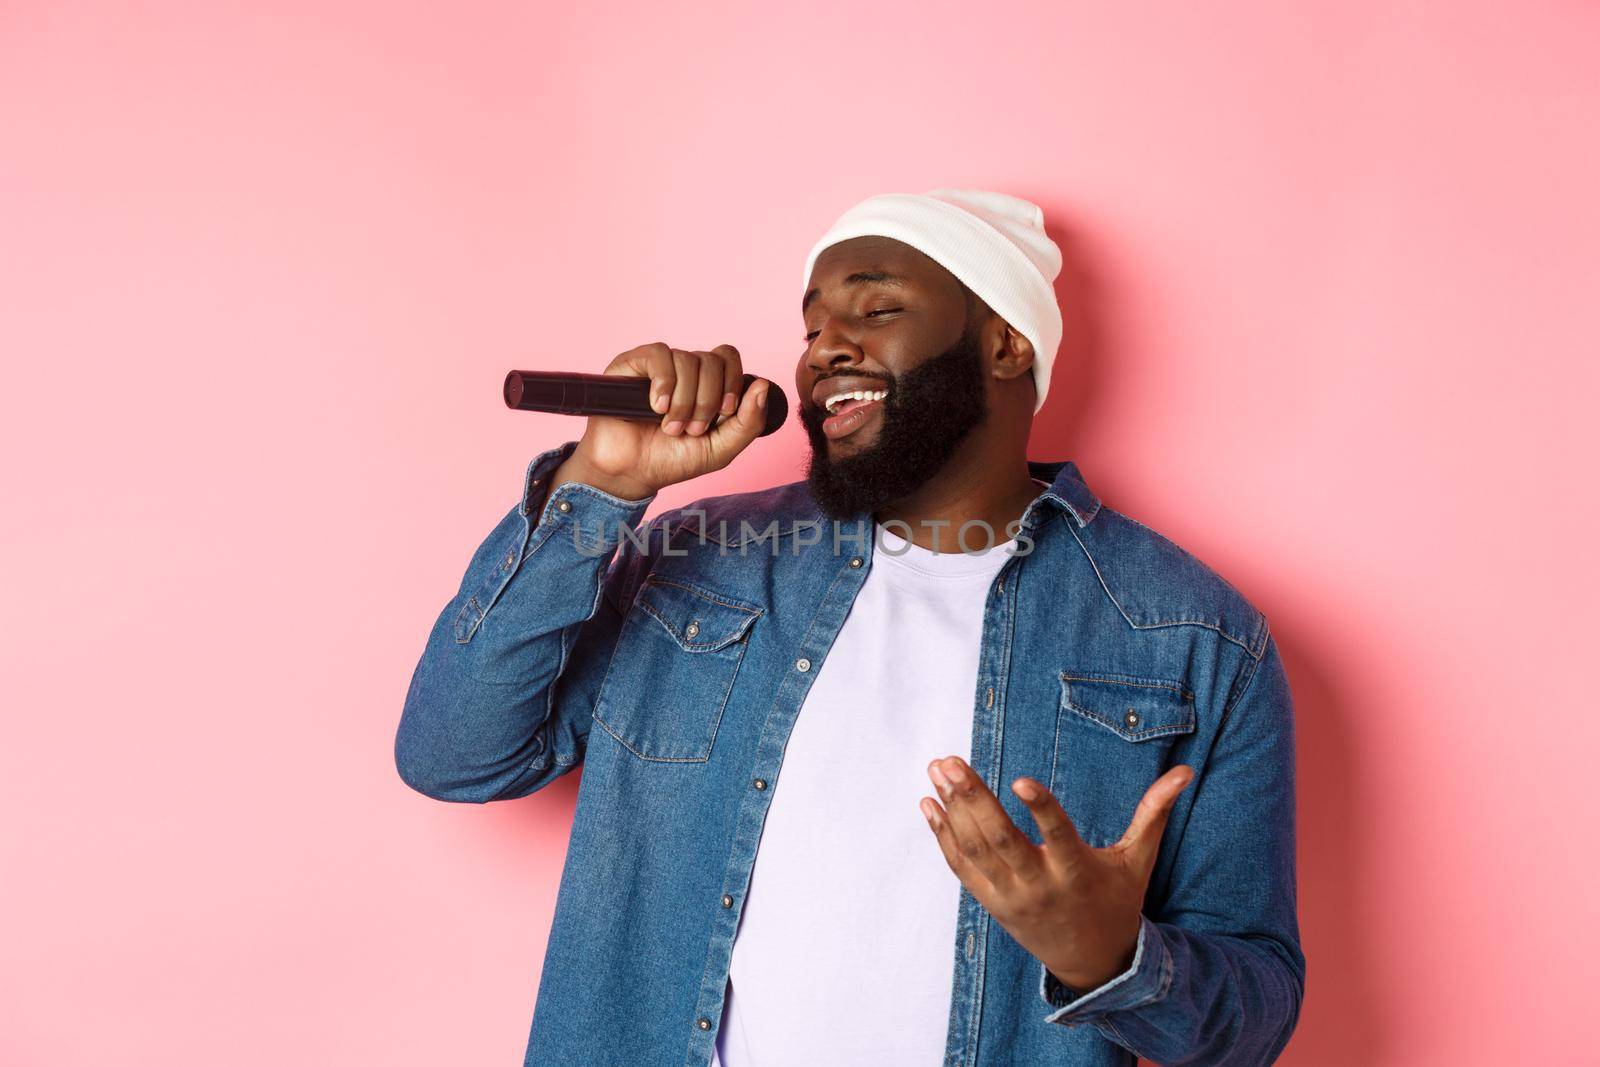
[1015,356]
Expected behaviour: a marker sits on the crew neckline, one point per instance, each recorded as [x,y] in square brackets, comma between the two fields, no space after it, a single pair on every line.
[951,561]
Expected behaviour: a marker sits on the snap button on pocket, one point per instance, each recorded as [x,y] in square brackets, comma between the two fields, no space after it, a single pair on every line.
[692,630]
[1135,709]
[1114,736]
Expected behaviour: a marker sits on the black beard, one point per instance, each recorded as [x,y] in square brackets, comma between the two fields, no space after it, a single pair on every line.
[928,412]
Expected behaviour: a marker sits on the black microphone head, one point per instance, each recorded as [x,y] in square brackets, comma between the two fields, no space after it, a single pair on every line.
[777,406]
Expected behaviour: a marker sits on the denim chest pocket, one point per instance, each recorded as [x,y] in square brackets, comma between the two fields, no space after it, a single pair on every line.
[672,670]
[1114,738]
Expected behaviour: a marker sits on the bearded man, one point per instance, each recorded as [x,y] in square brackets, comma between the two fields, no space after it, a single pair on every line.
[930,757]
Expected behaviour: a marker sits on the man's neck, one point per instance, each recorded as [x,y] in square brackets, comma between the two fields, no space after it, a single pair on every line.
[971,488]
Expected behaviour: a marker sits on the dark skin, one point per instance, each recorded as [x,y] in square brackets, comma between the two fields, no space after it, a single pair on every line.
[886,328]
[1073,907]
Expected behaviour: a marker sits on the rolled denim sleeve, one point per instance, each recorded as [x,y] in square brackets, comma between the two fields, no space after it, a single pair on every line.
[1218,974]
[499,703]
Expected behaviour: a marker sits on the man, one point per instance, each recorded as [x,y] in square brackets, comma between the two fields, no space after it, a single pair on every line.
[765,687]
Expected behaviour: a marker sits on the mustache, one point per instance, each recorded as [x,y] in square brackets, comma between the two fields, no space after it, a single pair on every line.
[852,374]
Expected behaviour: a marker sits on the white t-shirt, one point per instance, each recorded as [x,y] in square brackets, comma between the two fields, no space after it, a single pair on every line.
[845,945]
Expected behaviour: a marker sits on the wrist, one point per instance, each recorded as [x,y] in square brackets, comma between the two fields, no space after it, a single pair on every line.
[577,469]
[1082,980]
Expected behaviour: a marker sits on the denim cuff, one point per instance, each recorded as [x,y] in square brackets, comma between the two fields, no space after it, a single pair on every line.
[536,482]
[596,516]
[1146,980]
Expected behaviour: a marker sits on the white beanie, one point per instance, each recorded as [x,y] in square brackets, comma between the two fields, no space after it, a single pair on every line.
[993,243]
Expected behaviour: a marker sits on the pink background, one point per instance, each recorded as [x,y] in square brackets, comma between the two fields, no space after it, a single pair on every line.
[1331,325]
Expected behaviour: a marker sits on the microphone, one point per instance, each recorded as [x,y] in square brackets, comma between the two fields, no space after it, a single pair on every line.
[619,396]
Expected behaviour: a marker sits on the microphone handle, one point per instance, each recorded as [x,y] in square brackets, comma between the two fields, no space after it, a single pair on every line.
[572,393]
[615,395]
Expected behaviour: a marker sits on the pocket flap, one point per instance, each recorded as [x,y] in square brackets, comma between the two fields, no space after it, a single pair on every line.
[1136,709]
[698,619]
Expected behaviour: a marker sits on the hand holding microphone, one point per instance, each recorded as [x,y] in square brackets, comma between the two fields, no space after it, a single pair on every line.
[708,414]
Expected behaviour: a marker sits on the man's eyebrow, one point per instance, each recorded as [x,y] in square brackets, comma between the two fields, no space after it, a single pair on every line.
[858,278]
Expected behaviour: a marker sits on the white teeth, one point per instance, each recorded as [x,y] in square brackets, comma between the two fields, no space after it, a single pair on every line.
[860,394]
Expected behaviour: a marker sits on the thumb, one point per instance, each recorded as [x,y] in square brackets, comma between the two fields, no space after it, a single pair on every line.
[732,435]
[1143,838]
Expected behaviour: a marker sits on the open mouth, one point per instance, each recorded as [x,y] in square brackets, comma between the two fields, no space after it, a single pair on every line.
[848,412]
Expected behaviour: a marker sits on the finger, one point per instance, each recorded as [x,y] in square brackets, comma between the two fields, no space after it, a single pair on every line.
[663,371]
[729,437]
[708,394]
[732,378]
[1060,836]
[653,361]
[1002,835]
[939,822]
[686,367]
[1149,822]
[984,832]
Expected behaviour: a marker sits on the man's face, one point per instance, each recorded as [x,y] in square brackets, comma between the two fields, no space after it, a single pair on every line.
[883,319]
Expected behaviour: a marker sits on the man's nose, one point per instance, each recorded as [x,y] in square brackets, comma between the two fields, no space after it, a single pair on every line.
[831,351]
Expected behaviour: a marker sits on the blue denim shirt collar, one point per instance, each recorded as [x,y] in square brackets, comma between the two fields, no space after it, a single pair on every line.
[732,520]
[1067,490]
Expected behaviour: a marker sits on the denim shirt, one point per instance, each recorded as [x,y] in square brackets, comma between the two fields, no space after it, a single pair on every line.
[671,658]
